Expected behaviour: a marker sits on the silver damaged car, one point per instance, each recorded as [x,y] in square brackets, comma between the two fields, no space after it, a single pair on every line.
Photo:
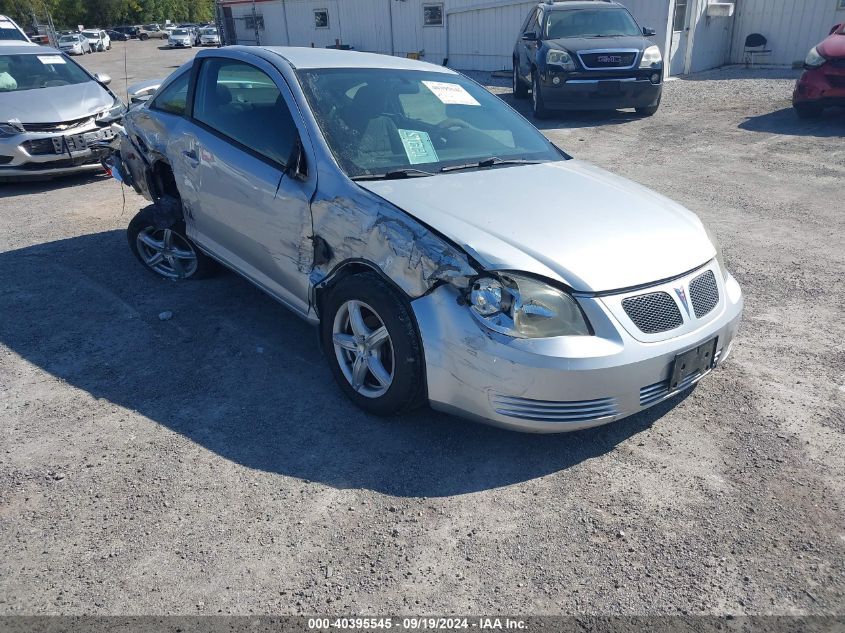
[50,108]
[446,250]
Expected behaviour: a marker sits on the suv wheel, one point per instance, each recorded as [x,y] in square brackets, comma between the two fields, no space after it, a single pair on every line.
[166,252]
[520,90]
[538,106]
[372,345]
[649,111]
[143,37]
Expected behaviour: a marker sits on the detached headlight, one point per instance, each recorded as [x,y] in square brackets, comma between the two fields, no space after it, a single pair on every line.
[651,57]
[523,307]
[814,59]
[560,58]
[721,260]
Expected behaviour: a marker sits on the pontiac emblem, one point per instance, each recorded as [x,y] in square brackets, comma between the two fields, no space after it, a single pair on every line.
[682,295]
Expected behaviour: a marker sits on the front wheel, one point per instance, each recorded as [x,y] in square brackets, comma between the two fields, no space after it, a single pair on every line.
[372,345]
[649,110]
[167,252]
[538,105]
[520,90]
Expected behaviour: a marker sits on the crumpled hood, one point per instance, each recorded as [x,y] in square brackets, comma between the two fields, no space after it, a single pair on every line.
[566,220]
[54,105]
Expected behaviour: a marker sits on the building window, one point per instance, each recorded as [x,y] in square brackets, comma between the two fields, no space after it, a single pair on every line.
[321,18]
[254,23]
[840,6]
[433,14]
[679,20]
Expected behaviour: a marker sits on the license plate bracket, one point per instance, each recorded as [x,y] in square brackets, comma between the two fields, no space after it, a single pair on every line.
[699,359]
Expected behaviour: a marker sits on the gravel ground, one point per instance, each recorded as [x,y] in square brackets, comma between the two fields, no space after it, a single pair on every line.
[207,463]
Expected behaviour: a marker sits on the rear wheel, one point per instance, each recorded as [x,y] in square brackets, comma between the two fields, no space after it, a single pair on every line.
[372,345]
[143,37]
[538,105]
[520,90]
[168,252]
[807,110]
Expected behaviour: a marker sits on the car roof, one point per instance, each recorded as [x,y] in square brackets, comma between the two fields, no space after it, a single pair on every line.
[302,57]
[25,48]
[580,4]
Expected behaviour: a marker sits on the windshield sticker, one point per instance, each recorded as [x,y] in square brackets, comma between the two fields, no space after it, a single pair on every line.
[451,93]
[51,59]
[418,147]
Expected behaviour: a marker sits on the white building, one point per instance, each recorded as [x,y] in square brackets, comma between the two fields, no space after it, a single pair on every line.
[480,34]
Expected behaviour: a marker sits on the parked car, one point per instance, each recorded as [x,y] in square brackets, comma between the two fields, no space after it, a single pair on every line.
[153,31]
[11,32]
[209,37]
[74,44]
[117,36]
[823,82]
[586,55]
[180,38]
[131,32]
[383,199]
[194,30]
[49,108]
[98,39]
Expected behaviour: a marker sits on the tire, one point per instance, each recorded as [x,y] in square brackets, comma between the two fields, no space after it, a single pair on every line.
[648,111]
[143,37]
[392,379]
[520,90]
[142,233]
[538,106]
[807,110]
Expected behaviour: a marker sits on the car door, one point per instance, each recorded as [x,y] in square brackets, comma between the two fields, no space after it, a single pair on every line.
[528,48]
[250,211]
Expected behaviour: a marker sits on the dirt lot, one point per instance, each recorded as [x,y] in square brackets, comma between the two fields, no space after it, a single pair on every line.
[208,464]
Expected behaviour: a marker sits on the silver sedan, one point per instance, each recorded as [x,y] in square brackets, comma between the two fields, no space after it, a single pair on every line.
[446,250]
[49,113]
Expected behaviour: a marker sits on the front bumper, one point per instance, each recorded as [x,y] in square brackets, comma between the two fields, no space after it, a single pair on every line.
[596,90]
[825,86]
[564,383]
[37,155]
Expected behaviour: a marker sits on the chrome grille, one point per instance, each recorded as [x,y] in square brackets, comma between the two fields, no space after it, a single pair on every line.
[608,59]
[553,411]
[704,293]
[654,312]
[61,126]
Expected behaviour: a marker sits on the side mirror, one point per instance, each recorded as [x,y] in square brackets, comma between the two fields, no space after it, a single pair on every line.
[648,31]
[529,36]
[141,98]
[103,78]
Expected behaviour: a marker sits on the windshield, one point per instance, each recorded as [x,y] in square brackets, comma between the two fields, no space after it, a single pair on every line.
[590,23]
[380,120]
[69,38]
[9,31]
[91,35]
[209,31]
[40,70]
[180,32]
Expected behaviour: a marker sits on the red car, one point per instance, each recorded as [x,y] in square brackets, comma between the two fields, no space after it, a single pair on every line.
[823,81]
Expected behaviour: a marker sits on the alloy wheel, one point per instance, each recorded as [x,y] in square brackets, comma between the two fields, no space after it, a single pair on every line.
[363,348]
[167,253]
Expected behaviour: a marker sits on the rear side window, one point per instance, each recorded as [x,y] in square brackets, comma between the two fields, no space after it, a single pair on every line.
[242,102]
[174,98]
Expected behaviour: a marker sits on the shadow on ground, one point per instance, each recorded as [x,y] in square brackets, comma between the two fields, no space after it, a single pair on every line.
[23,187]
[241,376]
[785,121]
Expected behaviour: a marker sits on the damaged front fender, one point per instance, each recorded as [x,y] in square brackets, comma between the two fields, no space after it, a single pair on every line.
[361,226]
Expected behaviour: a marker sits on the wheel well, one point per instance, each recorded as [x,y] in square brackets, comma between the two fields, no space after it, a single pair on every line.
[164,181]
[339,274]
